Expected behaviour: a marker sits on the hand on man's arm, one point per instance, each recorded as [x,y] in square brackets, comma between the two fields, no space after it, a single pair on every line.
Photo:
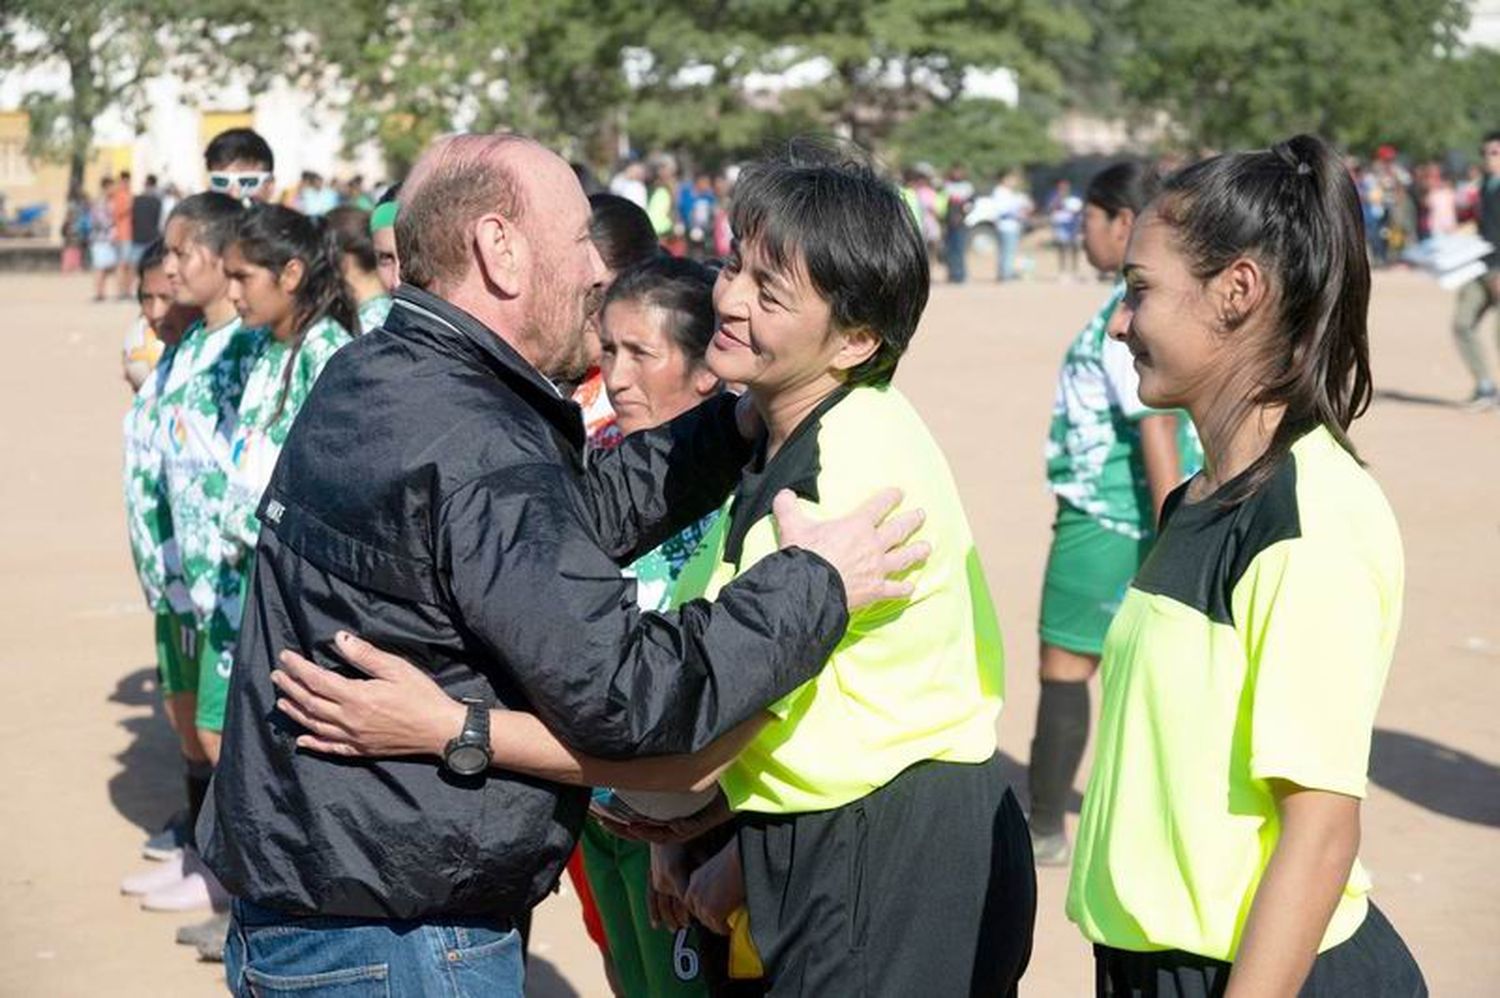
[658,481]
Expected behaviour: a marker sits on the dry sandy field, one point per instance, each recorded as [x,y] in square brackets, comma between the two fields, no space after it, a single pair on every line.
[87,762]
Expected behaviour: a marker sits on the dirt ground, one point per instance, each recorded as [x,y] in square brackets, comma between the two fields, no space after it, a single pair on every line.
[88,762]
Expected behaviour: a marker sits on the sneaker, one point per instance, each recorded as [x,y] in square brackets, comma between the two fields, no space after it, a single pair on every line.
[212,950]
[1050,850]
[197,890]
[213,930]
[156,877]
[169,841]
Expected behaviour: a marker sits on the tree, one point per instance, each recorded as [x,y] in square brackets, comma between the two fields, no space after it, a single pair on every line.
[989,138]
[1238,74]
[107,48]
[882,61]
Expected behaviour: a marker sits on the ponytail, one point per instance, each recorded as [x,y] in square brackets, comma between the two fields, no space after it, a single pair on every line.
[1294,210]
[272,236]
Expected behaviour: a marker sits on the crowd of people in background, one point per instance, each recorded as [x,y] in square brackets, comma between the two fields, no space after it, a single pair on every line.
[701,281]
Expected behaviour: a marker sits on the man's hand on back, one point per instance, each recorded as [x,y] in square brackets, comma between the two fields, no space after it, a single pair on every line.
[868,548]
[398,710]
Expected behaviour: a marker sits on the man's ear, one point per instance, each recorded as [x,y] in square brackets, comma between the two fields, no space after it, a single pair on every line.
[501,251]
[856,347]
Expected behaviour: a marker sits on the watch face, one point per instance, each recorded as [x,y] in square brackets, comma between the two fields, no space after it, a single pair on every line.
[466,760]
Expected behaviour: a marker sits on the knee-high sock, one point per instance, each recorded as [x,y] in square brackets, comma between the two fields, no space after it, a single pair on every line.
[1062,731]
[198,775]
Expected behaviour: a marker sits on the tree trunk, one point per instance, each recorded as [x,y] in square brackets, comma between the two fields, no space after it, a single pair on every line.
[83,105]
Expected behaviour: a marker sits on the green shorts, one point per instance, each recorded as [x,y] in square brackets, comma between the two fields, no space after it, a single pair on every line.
[215,657]
[176,653]
[1088,570]
[656,962]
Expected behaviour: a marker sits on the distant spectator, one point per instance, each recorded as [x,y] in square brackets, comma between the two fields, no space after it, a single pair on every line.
[1065,213]
[698,217]
[955,232]
[240,163]
[104,253]
[145,220]
[1014,208]
[75,231]
[315,198]
[1440,204]
[630,184]
[120,207]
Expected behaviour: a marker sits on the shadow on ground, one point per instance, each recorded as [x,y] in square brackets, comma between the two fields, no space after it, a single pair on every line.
[1414,398]
[1441,779]
[543,981]
[147,790]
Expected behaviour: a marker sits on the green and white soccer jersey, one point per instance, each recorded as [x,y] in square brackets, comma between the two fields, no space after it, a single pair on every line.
[270,402]
[372,312]
[197,420]
[1094,460]
[148,521]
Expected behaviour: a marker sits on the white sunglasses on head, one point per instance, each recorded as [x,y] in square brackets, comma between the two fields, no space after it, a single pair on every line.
[247,183]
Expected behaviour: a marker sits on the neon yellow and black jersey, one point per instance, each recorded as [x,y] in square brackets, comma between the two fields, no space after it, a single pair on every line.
[913,680]
[1253,645]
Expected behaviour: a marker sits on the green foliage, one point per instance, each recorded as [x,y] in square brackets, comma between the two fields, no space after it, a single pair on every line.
[884,60]
[987,137]
[108,49]
[677,74]
[1236,74]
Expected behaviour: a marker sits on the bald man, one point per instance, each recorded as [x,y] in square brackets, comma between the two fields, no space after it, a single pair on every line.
[435,498]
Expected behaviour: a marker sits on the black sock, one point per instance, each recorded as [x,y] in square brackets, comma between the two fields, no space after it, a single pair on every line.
[198,775]
[1062,731]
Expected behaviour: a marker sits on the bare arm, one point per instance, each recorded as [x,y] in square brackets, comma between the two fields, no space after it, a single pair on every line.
[1159,451]
[1298,893]
[399,710]
[521,743]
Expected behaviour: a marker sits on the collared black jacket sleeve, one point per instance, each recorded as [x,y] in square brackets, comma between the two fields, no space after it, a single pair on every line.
[549,606]
[658,481]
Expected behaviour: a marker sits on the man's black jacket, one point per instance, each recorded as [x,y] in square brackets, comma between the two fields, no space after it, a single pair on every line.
[434,498]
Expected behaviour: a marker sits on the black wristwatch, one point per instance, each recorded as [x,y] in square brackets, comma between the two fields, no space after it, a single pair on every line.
[469,753]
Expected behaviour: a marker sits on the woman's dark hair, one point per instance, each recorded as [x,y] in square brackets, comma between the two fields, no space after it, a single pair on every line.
[272,236]
[1126,186]
[350,227]
[621,231]
[212,217]
[391,193]
[1294,210]
[152,257]
[825,206]
[683,289]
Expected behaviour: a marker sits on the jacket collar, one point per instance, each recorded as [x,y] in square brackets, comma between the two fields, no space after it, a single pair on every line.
[796,466]
[451,323]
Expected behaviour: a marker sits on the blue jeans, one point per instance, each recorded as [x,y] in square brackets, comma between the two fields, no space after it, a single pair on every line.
[1010,244]
[955,244]
[275,955]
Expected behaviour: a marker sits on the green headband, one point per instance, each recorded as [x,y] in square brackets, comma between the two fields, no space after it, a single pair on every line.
[384,216]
